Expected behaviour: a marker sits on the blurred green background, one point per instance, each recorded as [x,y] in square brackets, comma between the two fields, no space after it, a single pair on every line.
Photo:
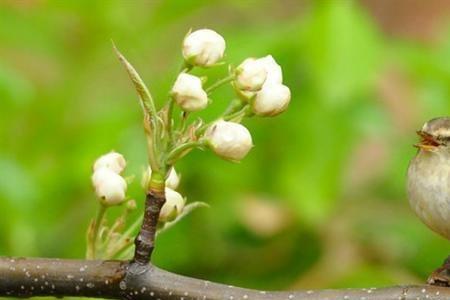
[319,202]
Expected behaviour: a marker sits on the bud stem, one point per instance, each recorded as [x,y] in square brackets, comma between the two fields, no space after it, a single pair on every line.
[169,129]
[185,68]
[232,116]
[180,150]
[237,116]
[219,83]
[93,235]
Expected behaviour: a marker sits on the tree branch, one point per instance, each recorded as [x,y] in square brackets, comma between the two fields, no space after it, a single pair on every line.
[22,277]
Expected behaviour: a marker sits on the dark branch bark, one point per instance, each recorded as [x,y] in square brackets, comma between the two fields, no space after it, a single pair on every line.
[145,241]
[21,277]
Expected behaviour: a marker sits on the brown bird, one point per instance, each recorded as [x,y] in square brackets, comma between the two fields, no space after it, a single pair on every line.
[428,185]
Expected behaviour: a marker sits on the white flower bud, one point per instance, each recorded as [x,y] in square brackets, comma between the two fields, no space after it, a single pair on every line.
[172,207]
[274,73]
[251,75]
[272,100]
[109,186]
[100,175]
[112,160]
[172,180]
[229,140]
[203,47]
[188,93]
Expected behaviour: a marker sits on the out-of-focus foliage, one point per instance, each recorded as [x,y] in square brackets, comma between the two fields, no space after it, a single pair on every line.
[320,200]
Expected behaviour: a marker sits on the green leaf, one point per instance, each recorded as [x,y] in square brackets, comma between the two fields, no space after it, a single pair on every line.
[142,90]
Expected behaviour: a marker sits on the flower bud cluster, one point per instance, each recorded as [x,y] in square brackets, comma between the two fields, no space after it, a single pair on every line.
[258,82]
[258,79]
[264,77]
[110,187]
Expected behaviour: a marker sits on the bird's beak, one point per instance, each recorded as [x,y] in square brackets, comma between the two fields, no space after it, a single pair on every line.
[427,142]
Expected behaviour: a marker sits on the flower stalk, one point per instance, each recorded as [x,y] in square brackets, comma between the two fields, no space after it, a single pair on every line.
[181,150]
[219,83]
[93,233]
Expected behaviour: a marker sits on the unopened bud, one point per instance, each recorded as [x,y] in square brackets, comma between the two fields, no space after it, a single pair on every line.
[229,140]
[112,160]
[172,180]
[109,186]
[173,206]
[188,93]
[250,75]
[203,48]
[271,100]
[274,73]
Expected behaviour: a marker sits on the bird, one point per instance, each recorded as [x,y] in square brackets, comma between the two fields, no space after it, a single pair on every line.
[428,185]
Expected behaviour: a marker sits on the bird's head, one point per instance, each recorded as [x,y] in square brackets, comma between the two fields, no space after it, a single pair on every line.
[434,135]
